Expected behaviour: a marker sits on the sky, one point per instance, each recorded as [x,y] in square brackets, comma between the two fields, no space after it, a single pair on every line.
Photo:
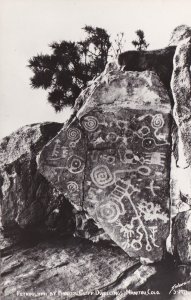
[27,27]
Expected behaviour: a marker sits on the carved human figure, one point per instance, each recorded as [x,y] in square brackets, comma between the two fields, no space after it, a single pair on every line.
[112,163]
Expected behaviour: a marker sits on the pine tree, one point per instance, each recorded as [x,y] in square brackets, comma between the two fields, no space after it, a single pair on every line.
[66,71]
[140,44]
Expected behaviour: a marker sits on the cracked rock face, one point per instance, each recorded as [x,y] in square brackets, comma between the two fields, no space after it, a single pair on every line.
[71,265]
[112,159]
[28,200]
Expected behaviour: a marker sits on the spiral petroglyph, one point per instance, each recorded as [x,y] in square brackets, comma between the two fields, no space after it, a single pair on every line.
[102,177]
[73,134]
[90,123]
[113,165]
[157,121]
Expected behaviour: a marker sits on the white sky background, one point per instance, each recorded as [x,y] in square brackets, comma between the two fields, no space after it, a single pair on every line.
[28,26]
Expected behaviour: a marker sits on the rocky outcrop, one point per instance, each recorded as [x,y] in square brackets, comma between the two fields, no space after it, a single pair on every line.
[62,266]
[112,160]
[28,201]
[181,236]
[158,61]
[78,269]
[106,174]
[179,33]
[181,159]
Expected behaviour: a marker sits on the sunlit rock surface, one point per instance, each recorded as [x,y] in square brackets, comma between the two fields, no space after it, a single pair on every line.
[181,90]
[112,160]
[181,154]
[179,33]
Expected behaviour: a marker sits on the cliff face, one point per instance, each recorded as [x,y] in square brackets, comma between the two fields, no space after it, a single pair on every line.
[118,171]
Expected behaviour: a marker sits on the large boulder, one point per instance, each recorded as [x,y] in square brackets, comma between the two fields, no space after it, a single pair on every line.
[28,200]
[112,159]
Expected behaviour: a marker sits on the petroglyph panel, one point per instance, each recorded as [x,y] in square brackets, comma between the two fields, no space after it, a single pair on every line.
[114,165]
[127,180]
[63,161]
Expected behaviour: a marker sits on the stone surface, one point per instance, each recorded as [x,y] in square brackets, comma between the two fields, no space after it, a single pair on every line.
[181,236]
[112,162]
[56,266]
[180,33]
[181,90]
[28,200]
[181,158]
[180,188]
[72,265]
[112,159]
[182,285]
[180,179]
[159,61]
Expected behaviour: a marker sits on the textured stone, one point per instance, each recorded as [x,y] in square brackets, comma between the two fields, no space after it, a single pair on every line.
[112,159]
[122,188]
[182,285]
[181,158]
[64,162]
[180,33]
[159,61]
[181,236]
[180,179]
[28,200]
[72,265]
[181,90]
[180,188]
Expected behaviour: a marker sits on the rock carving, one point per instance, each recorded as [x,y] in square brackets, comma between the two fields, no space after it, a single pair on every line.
[113,164]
